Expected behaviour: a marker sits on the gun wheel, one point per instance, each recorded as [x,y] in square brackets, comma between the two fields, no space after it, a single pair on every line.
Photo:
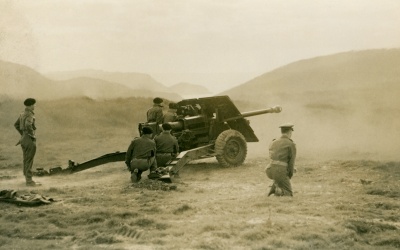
[231,148]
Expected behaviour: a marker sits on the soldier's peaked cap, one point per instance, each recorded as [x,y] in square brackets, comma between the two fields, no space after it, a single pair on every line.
[29,102]
[287,125]
[158,100]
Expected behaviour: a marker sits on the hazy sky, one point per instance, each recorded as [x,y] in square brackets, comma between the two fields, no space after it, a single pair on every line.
[218,44]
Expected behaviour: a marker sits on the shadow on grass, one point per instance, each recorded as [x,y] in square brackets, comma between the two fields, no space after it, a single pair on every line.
[383,192]
[182,209]
[364,227]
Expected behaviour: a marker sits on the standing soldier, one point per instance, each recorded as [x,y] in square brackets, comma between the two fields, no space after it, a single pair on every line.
[155,114]
[166,145]
[25,125]
[140,155]
[170,115]
[282,153]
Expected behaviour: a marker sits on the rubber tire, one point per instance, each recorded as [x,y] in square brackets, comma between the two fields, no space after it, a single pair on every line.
[231,148]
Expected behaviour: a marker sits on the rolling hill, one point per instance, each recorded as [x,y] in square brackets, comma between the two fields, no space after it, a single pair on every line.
[137,81]
[368,74]
[189,90]
[18,82]
[131,80]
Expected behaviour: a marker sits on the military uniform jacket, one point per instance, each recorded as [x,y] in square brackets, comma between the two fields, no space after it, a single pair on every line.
[140,148]
[25,124]
[165,143]
[155,114]
[283,150]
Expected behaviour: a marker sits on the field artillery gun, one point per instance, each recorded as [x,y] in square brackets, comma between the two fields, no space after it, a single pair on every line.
[205,127]
[209,127]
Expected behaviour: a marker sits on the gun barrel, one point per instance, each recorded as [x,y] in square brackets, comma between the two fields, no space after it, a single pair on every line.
[276,109]
[176,126]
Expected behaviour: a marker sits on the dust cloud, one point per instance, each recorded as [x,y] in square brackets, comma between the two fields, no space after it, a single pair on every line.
[358,132]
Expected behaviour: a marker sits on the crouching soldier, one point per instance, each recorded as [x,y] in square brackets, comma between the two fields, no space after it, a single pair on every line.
[166,145]
[282,152]
[140,155]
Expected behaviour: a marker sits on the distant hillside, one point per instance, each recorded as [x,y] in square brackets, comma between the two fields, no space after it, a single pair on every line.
[188,90]
[131,80]
[316,77]
[95,88]
[18,81]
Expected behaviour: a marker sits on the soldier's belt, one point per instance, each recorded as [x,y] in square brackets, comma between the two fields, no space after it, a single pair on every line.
[143,158]
[280,163]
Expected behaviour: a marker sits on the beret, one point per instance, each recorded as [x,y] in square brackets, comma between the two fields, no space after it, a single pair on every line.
[29,102]
[157,100]
[166,126]
[147,130]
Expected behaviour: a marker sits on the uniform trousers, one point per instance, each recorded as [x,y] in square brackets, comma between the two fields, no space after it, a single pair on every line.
[163,159]
[142,165]
[279,175]
[28,146]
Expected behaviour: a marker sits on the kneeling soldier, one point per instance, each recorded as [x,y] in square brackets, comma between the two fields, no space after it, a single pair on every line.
[166,145]
[282,153]
[140,155]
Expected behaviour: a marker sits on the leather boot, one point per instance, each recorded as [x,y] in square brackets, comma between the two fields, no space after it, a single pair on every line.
[272,190]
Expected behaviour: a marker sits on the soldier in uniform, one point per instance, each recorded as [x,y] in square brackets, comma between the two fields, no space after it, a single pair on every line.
[140,155]
[25,125]
[166,145]
[282,153]
[170,115]
[155,114]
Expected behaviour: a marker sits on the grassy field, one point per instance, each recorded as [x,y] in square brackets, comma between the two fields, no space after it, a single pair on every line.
[211,208]
[337,203]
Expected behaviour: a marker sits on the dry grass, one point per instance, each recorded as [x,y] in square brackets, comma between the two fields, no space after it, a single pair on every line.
[99,208]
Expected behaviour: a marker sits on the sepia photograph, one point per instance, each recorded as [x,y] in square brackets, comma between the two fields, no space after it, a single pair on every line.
[199,124]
